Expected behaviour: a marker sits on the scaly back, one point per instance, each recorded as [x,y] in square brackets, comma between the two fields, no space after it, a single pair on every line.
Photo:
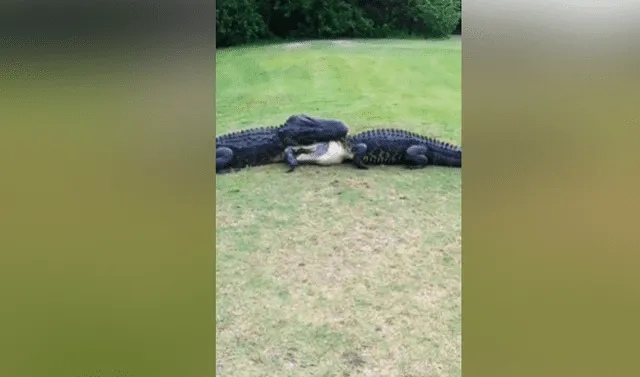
[392,134]
[243,136]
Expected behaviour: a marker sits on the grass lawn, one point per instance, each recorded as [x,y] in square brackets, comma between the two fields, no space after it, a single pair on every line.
[335,271]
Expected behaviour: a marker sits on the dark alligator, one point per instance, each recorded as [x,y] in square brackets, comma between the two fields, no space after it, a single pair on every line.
[260,146]
[379,147]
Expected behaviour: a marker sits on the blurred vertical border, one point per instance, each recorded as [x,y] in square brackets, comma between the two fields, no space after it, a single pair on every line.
[107,121]
[550,188]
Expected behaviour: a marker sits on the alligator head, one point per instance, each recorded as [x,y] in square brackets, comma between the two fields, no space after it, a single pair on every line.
[304,130]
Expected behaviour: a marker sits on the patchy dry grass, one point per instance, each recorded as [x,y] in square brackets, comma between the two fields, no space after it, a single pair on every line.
[337,271]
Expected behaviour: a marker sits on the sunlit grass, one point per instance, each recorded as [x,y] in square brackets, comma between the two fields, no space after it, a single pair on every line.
[337,271]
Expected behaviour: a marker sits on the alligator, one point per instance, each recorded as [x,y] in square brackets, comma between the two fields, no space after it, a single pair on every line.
[378,147]
[265,145]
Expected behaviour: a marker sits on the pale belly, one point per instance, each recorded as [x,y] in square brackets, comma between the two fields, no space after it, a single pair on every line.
[334,154]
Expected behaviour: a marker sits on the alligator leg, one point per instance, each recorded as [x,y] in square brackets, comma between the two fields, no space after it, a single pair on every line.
[416,156]
[290,157]
[290,154]
[313,152]
[224,156]
[359,150]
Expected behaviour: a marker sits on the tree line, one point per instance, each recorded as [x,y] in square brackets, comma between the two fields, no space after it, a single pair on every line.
[248,21]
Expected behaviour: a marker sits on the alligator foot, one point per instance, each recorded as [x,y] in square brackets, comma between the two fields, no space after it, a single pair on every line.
[416,156]
[224,156]
[223,171]
[359,150]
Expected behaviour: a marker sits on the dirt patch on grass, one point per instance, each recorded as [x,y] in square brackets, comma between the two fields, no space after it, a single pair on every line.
[344,43]
[296,45]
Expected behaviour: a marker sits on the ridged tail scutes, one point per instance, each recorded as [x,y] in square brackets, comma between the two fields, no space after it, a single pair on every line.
[444,154]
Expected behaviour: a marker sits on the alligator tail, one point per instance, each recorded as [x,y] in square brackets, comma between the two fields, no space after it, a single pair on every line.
[445,154]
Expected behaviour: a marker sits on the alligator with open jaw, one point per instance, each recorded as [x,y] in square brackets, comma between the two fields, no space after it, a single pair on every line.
[260,146]
[379,147]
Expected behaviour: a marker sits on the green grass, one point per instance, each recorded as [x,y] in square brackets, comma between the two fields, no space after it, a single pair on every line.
[335,271]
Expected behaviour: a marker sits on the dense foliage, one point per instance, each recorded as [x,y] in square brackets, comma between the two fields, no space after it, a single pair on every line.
[244,21]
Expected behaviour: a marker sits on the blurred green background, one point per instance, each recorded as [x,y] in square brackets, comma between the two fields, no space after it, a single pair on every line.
[106,200]
[549,207]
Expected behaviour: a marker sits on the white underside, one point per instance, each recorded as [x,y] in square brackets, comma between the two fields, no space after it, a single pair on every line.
[335,154]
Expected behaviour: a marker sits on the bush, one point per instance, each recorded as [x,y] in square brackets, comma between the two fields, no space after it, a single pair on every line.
[458,29]
[434,18]
[318,19]
[427,18]
[243,21]
[238,22]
